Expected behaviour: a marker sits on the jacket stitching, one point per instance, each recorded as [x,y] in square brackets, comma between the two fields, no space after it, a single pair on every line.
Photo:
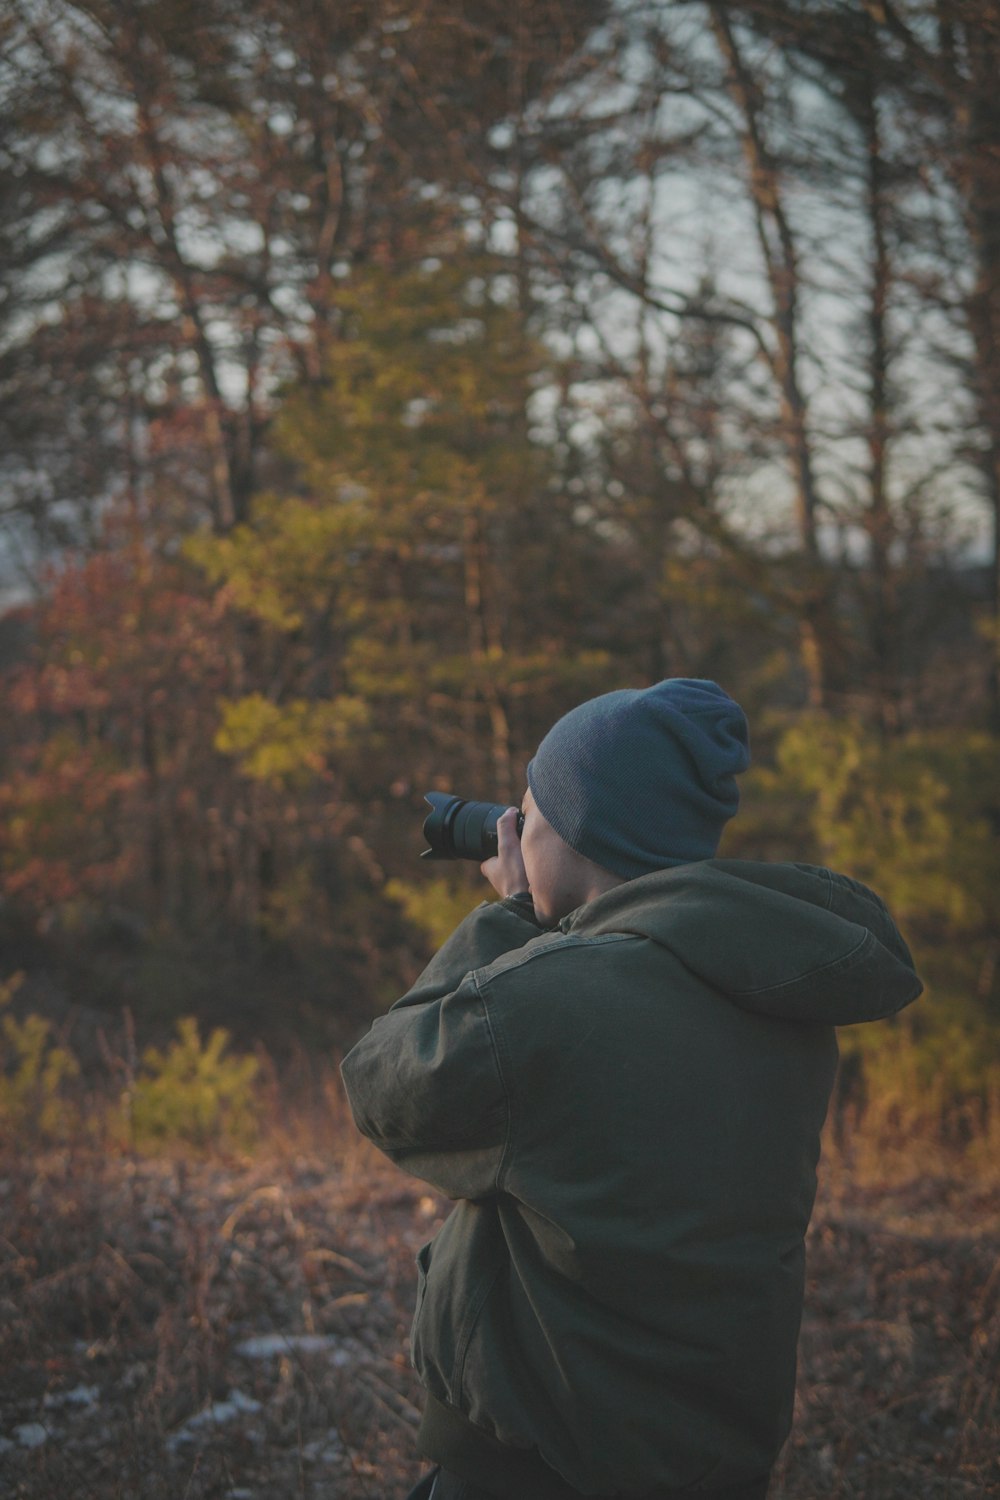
[498,1053]
[469,1327]
[829,889]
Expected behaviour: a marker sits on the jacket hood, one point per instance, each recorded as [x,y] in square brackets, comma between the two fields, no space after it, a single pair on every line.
[788,940]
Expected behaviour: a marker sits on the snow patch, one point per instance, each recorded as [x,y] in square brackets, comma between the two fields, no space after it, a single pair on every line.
[80,1395]
[31,1434]
[325,1450]
[267,1345]
[235,1404]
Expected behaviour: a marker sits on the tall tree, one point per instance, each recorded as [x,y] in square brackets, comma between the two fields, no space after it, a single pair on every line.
[954,68]
[754,176]
[925,76]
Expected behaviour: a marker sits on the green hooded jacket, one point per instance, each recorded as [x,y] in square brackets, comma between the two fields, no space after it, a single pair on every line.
[628,1108]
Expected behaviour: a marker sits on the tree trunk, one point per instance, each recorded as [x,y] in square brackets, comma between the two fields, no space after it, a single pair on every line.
[778,250]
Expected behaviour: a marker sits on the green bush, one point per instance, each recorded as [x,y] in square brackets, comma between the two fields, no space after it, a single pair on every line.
[193,1093]
[914,816]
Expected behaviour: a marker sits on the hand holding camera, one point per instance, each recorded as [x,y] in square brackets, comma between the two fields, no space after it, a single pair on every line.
[484,831]
[505,870]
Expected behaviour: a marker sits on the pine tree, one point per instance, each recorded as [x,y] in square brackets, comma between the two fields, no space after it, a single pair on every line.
[430,565]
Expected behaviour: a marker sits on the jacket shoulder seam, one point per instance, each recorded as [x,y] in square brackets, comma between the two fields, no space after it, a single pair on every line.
[507,963]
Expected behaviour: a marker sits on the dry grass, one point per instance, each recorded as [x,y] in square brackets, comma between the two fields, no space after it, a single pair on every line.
[899,1359]
[131,1286]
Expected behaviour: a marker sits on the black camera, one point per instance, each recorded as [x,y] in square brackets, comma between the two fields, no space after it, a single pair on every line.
[457,829]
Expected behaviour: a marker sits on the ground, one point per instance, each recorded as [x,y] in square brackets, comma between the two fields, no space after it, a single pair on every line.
[183,1329]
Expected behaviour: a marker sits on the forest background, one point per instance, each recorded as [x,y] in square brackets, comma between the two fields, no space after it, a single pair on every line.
[378,380]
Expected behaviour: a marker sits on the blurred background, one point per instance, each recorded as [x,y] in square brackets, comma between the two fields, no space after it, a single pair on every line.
[378,380]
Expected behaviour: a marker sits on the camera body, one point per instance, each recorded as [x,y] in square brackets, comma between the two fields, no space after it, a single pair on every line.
[457,828]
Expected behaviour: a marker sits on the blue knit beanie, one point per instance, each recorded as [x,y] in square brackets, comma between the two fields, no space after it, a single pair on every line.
[643,778]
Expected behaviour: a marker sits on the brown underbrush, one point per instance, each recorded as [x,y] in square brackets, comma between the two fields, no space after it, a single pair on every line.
[179,1327]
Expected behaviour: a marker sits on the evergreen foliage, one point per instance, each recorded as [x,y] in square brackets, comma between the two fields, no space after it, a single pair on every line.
[193,1093]
[429,575]
[435,907]
[916,817]
[33,1072]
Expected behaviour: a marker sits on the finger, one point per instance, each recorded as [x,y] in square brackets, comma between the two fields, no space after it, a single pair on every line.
[512,874]
[507,830]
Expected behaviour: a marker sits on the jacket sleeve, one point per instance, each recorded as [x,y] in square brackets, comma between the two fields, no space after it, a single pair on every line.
[425,1085]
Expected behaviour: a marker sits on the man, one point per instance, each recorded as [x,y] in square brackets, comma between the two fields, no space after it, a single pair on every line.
[620,1071]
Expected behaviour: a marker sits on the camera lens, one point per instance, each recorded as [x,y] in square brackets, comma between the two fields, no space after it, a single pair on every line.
[456,828]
